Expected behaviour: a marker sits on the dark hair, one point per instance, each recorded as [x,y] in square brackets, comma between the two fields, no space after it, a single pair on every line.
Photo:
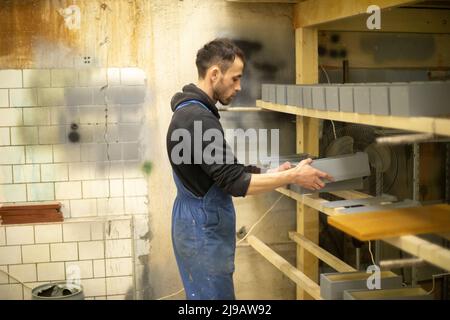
[219,51]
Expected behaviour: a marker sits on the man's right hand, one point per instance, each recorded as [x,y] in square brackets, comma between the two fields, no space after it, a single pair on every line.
[308,177]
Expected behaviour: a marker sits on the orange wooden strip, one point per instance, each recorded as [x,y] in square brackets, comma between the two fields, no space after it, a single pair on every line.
[394,223]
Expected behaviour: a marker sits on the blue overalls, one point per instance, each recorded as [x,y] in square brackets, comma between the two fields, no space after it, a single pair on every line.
[203,236]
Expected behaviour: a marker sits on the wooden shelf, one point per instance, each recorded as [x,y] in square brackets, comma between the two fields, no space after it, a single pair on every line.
[432,253]
[438,126]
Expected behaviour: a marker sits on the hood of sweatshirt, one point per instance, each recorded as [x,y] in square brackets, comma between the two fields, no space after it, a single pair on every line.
[192,92]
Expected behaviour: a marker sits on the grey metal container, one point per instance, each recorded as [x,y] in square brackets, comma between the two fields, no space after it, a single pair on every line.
[332,97]
[58,291]
[294,96]
[379,99]
[318,97]
[346,103]
[415,293]
[307,97]
[333,285]
[281,94]
[420,99]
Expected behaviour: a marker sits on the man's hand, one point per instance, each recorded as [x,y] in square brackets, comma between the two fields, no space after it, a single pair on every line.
[285,166]
[309,177]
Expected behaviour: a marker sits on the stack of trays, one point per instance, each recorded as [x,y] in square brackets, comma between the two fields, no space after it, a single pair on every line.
[403,99]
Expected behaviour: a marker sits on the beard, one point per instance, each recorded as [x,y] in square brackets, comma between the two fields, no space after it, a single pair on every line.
[219,95]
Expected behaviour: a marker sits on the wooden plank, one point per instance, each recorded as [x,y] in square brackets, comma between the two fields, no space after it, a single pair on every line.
[438,126]
[31,206]
[405,20]
[284,266]
[421,248]
[320,253]
[266,1]
[307,131]
[414,245]
[394,223]
[314,12]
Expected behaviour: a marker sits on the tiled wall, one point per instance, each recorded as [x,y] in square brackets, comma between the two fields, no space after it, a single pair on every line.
[39,254]
[98,175]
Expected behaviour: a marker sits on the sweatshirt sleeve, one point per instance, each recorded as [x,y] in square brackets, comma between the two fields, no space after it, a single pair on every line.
[218,160]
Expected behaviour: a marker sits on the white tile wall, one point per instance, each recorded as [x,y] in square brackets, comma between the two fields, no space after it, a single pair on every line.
[19,235]
[94,287]
[95,189]
[83,208]
[51,271]
[118,248]
[119,267]
[36,116]
[133,76]
[51,97]
[91,250]
[82,171]
[4,277]
[120,229]
[13,193]
[76,232]
[24,272]
[116,188]
[64,77]
[66,153]
[136,205]
[48,233]
[36,253]
[4,98]
[54,172]
[10,117]
[5,174]
[41,191]
[111,206]
[64,251]
[92,77]
[5,138]
[68,190]
[12,155]
[99,268]
[79,270]
[23,97]
[27,173]
[118,285]
[33,78]
[11,79]
[10,255]
[135,187]
[11,292]
[2,236]
[39,154]
[21,136]
[98,230]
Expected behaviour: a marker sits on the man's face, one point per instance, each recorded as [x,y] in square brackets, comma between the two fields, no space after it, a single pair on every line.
[228,84]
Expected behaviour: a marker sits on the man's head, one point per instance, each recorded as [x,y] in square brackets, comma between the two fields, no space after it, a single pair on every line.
[220,65]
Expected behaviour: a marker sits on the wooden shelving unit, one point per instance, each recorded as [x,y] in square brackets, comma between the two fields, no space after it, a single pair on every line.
[345,15]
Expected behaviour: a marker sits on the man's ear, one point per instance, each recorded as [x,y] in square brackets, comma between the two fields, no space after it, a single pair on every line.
[215,72]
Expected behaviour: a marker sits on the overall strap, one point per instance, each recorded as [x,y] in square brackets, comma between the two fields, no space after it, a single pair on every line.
[190,102]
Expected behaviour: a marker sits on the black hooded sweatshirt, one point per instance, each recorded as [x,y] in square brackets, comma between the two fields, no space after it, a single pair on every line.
[233,178]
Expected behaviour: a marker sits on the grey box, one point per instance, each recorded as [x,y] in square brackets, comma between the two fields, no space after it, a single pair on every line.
[346,101]
[361,99]
[281,94]
[272,93]
[333,285]
[294,96]
[420,99]
[347,170]
[318,98]
[265,92]
[307,97]
[379,100]
[332,98]
[353,184]
[415,293]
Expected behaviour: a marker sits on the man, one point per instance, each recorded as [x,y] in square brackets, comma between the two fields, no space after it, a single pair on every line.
[203,217]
